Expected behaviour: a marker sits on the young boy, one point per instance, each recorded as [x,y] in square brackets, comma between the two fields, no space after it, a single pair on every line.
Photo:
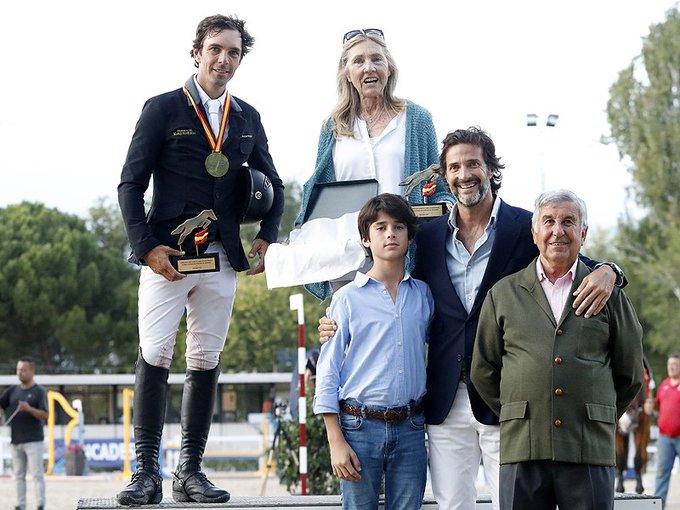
[370,376]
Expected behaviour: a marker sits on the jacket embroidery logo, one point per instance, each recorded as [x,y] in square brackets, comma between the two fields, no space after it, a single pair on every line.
[183,132]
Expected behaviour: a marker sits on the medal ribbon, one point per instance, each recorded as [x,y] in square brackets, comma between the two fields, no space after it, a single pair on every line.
[215,145]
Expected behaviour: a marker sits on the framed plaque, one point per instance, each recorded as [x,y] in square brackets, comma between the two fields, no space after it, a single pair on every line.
[334,199]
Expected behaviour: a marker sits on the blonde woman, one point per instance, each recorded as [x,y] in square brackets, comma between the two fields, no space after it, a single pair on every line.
[371,133]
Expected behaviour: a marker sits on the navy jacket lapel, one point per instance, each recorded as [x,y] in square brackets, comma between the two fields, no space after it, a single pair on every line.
[440,252]
[236,123]
[507,234]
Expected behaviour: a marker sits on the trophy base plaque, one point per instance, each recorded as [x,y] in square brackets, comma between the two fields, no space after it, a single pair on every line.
[191,264]
[429,211]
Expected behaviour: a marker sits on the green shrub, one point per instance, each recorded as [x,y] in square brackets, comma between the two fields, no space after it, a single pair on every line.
[320,479]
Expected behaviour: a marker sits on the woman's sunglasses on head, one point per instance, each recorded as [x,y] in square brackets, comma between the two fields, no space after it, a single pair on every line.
[375,32]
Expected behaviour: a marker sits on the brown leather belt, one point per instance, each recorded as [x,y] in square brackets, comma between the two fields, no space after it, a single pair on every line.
[388,414]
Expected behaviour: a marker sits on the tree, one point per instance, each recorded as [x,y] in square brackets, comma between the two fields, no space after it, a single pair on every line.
[64,300]
[106,223]
[644,116]
[262,324]
[69,298]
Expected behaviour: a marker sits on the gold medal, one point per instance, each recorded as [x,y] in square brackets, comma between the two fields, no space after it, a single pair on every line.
[217,164]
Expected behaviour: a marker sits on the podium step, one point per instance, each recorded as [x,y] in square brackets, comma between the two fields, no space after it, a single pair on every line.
[621,502]
[253,503]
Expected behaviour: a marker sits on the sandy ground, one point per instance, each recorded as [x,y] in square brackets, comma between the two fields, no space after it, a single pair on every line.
[63,492]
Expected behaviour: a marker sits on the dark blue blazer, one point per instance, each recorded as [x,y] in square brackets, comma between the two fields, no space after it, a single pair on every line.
[453,330]
[170,144]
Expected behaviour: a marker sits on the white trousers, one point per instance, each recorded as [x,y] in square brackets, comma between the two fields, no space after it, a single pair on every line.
[456,448]
[208,299]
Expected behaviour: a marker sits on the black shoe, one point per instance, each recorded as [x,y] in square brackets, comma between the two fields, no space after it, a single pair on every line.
[198,398]
[40,507]
[144,489]
[195,487]
[151,384]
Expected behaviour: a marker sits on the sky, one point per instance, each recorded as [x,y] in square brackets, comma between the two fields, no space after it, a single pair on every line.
[76,74]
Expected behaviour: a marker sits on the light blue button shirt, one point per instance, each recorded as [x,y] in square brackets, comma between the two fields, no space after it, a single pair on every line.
[467,270]
[377,355]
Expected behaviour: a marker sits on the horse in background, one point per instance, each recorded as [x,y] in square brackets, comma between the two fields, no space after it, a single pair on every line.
[637,423]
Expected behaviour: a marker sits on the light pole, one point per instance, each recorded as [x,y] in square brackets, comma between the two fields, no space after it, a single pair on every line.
[550,122]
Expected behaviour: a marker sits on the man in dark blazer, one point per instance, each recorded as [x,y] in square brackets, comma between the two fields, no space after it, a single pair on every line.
[460,256]
[193,141]
[558,381]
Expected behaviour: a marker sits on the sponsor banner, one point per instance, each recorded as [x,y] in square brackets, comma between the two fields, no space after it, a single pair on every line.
[106,453]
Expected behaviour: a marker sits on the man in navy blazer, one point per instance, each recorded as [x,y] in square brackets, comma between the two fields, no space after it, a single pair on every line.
[175,135]
[460,256]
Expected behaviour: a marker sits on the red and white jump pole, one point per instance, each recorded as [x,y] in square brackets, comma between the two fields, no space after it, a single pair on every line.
[296,303]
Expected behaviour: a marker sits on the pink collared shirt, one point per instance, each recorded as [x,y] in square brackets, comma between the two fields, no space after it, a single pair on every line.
[556,293]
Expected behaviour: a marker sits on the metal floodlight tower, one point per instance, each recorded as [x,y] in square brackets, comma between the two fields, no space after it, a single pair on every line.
[550,122]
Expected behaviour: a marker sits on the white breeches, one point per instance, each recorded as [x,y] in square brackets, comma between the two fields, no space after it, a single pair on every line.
[208,299]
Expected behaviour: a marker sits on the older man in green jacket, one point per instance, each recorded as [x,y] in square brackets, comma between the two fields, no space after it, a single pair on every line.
[558,381]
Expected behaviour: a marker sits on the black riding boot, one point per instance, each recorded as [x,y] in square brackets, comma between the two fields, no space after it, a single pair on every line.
[151,385]
[189,484]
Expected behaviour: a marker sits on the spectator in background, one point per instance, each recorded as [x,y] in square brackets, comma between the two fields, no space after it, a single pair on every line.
[667,403]
[25,407]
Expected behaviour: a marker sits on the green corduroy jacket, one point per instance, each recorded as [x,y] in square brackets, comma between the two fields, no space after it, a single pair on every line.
[558,387]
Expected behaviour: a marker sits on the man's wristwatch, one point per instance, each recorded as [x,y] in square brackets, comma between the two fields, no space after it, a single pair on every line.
[617,271]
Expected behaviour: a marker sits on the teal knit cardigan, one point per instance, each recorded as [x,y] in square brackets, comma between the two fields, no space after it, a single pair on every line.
[420,152]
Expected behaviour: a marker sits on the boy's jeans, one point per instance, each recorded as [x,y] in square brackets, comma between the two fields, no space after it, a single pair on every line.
[395,449]
[667,448]
[29,457]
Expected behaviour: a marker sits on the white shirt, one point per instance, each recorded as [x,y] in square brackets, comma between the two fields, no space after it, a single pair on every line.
[377,355]
[467,270]
[206,100]
[380,157]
